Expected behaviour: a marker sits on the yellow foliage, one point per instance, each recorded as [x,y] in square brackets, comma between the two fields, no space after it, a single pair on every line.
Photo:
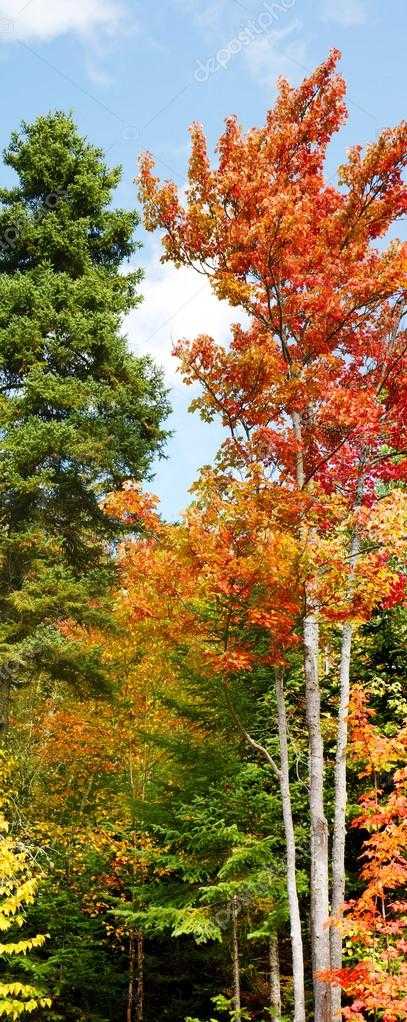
[17,890]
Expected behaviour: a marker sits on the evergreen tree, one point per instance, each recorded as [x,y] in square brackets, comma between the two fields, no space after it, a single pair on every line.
[79,414]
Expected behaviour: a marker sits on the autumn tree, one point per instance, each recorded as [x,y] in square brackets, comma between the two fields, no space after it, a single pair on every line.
[197,599]
[222,589]
[313,390]
[375,979]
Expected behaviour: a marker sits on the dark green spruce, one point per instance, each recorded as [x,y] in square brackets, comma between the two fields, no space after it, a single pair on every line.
[79,414]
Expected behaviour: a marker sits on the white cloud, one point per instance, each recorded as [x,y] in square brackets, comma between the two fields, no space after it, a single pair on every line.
[345,12]
[208,16]
[43,20]
[177,304]
[281,52]
[98,75]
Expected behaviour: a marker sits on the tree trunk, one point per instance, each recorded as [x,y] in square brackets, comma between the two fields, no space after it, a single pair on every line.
[339,834]
[131,985]
[275,989]
[321,958]
[319,828]
[235,959]
[140,978]
[295,919]
[5,698]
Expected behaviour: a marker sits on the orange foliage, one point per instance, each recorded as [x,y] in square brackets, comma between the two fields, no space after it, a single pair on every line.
[313,391]
[376,922]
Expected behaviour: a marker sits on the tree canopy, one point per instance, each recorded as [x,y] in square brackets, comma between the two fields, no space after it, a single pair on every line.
[220,831]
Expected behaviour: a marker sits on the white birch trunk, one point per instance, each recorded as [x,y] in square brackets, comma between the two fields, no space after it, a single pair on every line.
[275,988]
[339,834]
[295,919]
[319,894]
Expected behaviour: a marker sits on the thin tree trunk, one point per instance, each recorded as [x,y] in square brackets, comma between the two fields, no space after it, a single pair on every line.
[321,958]
[295,919]
[140,978]
[339,833]
[319,827]
[299,456]
[275,988]
[131,984]
[5,698]
[235,959]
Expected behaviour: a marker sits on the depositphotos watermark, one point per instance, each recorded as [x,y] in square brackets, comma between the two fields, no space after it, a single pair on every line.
[9,239]
[269,15]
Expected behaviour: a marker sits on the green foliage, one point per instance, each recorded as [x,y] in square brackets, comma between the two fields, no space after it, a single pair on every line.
[224,1006]
[79,414]
[380,660]
[77,952]
[216,838]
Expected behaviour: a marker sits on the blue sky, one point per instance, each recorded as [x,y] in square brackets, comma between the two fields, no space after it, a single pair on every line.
[136,75]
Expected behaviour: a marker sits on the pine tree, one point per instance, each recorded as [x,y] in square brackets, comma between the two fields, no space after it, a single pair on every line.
[79,414]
